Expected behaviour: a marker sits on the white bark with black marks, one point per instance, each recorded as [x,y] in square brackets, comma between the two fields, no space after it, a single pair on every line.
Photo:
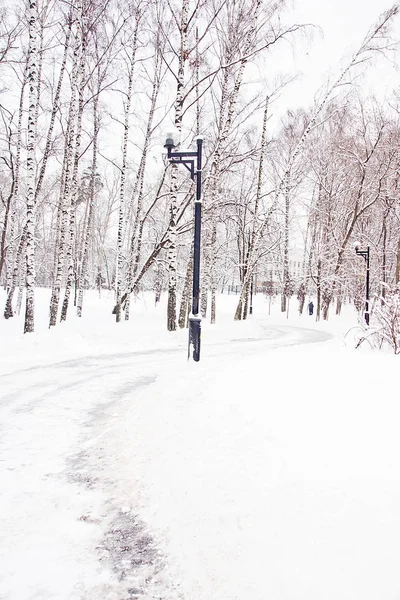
[137,234]
[33,66]
[85,258]
[122,204]
[70,242]
[172,254]
[68,169]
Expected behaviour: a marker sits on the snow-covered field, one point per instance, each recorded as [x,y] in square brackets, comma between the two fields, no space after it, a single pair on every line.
[268,471]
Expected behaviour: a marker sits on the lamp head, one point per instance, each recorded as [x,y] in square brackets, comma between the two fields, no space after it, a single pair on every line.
[356,246]
[169,143]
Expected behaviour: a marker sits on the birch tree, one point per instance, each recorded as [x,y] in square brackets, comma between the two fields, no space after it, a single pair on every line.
[131,63]
[376,40]
[33,62]
[66,190]
[138,190]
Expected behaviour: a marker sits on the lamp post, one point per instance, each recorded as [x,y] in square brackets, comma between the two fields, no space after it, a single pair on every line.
[244,266]
[251,296]
[192,161]
[365,255]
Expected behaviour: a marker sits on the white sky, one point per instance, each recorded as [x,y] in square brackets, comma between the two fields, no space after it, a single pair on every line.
[344,23]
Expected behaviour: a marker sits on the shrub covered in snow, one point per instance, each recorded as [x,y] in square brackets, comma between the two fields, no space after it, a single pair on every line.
[387,320]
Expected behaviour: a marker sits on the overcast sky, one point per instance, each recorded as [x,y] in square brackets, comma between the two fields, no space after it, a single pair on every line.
[344,23]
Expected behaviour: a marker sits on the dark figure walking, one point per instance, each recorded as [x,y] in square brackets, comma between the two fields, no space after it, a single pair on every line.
[310,308]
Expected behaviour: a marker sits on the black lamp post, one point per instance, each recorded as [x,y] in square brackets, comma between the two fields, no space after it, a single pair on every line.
[365,255]
[192,161]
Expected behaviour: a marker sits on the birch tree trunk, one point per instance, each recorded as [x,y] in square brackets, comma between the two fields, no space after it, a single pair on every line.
[33,63]
[85,259]
[384,251]
[158,283]
[55,107]
[122,209]
[251,262]
[213,277]
[286,230]
[318,284]
[185,301]
[18,264]
[397,272]
[13,250]
[137,234]
[66,188]
[9,209]
[74,187]
[213,183]
[22,276]
[172,254]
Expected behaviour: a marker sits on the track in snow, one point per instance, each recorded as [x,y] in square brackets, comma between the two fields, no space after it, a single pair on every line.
[54,424]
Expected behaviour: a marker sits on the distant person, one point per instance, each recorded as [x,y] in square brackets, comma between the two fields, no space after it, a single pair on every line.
[310,308]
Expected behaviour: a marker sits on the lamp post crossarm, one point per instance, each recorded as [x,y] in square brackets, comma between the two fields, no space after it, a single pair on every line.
[363,253]
[189,164]
[182,154]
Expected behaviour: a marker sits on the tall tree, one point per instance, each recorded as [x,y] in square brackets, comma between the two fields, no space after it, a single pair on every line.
[33,65]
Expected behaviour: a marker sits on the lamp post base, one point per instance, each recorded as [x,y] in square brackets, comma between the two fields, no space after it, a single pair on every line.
[195,337]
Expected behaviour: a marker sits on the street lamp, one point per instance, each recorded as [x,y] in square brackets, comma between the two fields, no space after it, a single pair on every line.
[192,161]
[251,296]
[365,255]
[244,266]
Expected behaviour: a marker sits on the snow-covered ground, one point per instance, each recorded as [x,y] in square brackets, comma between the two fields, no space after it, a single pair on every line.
[268,471]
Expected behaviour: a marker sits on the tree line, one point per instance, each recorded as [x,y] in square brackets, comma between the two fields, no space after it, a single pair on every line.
[87,90]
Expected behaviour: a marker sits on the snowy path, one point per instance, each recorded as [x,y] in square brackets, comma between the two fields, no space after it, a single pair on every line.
[55,492]
[58,498]
[139,475]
